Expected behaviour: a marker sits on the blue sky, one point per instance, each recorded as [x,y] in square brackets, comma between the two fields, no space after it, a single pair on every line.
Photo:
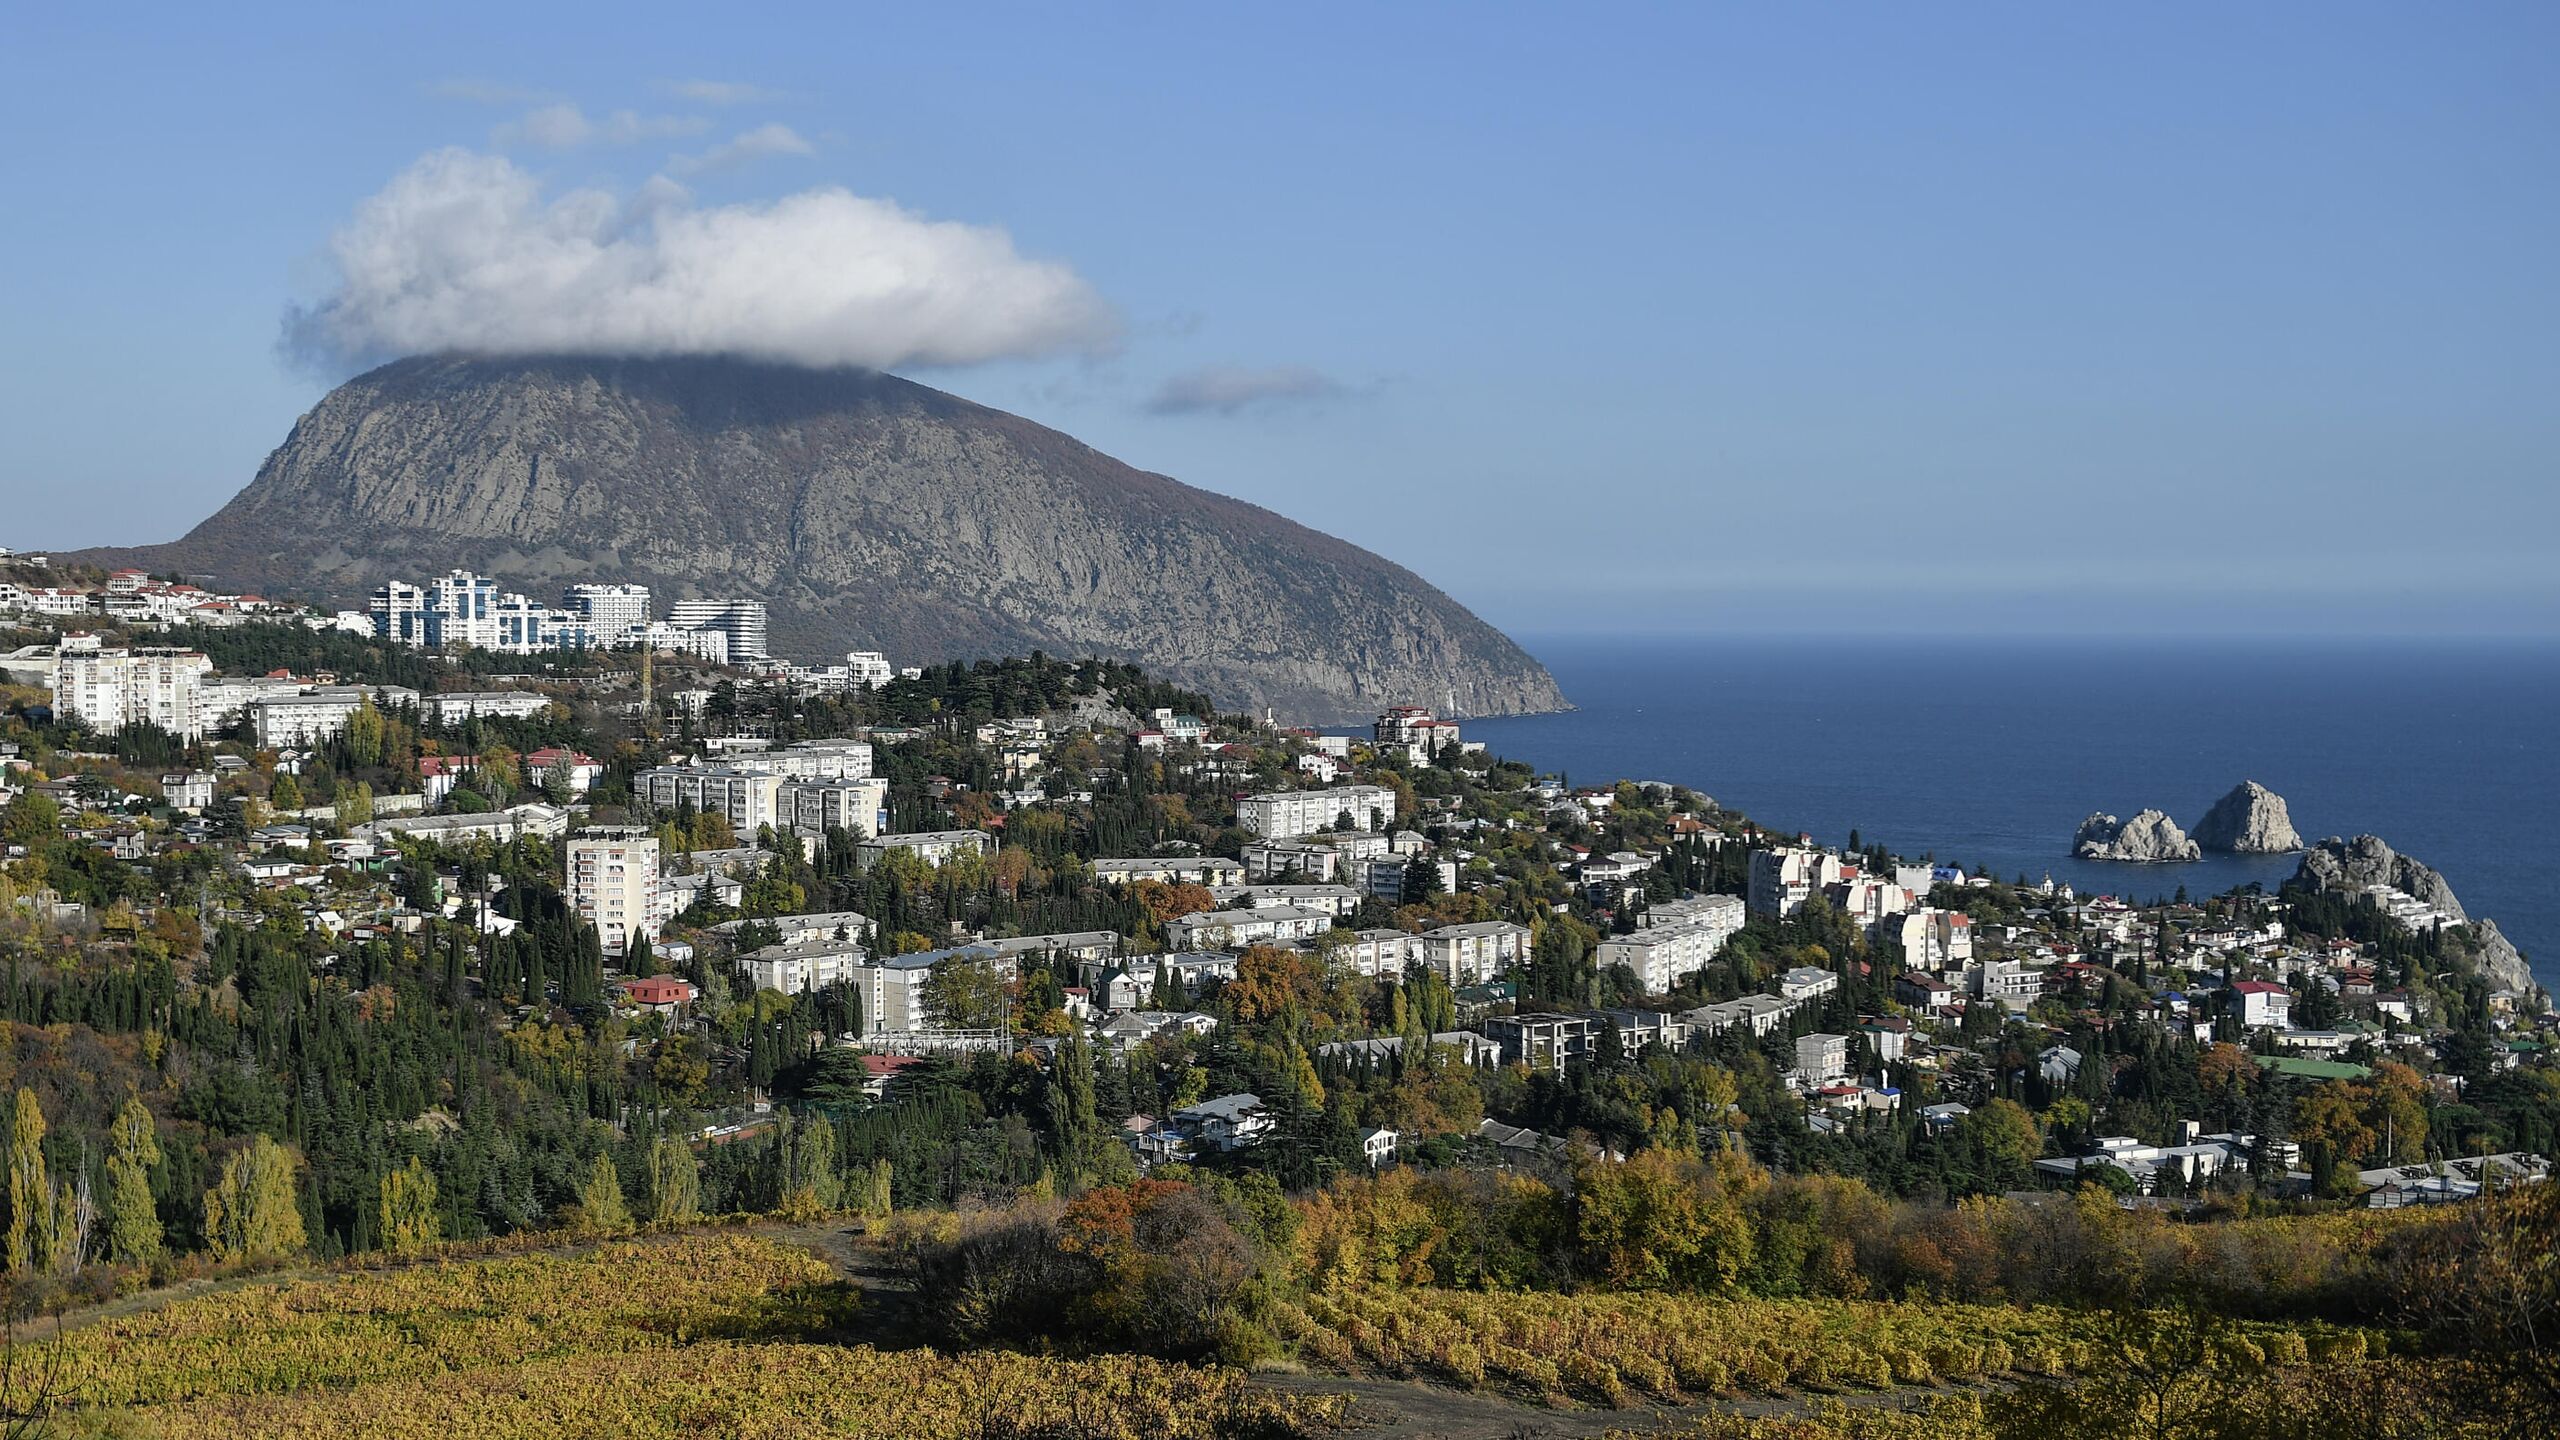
[1983,318]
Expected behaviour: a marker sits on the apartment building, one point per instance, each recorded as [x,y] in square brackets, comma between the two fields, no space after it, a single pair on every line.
[1292,813]
[814,807]
[1169,869]
[613,885]
[743,621]
[751,801]
[1471,953]
[107,690]
[931,846]
[609,610]
[1675,940]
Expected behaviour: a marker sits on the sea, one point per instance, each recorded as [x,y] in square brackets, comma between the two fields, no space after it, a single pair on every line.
[1988,753]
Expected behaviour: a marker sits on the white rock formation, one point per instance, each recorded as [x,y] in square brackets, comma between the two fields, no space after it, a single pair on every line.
[2251,820]
[2150,838]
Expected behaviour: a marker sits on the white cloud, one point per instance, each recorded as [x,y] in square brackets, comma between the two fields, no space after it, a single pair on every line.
[721,92]
[465,252]
[566,127]
[1226,389]
[756,144]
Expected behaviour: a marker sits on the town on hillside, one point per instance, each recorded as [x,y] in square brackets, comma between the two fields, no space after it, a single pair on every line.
[755,888]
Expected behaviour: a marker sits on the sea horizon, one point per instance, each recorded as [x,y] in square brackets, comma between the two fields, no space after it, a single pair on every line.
[1988,751]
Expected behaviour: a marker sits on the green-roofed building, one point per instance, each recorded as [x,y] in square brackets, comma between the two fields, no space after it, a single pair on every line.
[2304,1068]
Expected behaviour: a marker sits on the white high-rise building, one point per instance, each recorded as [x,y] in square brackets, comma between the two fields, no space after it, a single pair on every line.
[609,609]
[743,621]
[110,689]
[613,885]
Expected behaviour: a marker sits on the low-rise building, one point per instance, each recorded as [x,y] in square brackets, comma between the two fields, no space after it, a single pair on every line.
[931,846]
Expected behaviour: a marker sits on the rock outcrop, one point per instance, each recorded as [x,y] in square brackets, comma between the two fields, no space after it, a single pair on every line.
[2251,820]
[2150,838]
[867,512]
[2354,866]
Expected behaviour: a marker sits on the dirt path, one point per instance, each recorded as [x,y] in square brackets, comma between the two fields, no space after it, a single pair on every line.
[1412,1410]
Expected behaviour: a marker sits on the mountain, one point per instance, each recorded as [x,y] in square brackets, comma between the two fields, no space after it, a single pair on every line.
[868,512]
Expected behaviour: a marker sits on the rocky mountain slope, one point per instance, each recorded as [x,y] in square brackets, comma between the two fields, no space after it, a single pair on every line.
[2251,820]
[2352,866]
[2149,838]
[868,512]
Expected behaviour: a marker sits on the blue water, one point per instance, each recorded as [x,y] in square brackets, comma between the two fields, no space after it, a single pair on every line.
[1989,753]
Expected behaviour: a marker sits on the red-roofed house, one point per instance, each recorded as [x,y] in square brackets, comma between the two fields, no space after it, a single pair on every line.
[2262,1003]
[879,1070]
[440,773]
[582,769]
[662,993]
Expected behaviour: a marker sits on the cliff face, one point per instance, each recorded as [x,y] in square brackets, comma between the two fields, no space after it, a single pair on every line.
[2150,838]
[866,511]
[2251,820]
[2351,866]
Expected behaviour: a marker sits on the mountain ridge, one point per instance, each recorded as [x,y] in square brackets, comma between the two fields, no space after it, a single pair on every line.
[867,511]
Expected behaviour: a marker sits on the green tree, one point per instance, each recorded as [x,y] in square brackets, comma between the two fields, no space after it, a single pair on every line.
[810,1182]
[133,1221]
[30,1191]
[2003,1141]
[966,992]
[874,1196]
[410,1221]
[600,1203]
[365,733]
[285,793]
[355,803]
[251,1213]
[674,1181]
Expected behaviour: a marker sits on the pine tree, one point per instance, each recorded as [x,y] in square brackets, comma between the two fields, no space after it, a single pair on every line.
[410,1222]
[30,1191]
[133,1221]
[252,1212]
[674,1181]
[600,1204]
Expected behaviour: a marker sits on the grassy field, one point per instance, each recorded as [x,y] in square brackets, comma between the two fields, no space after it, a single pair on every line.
[678,1336]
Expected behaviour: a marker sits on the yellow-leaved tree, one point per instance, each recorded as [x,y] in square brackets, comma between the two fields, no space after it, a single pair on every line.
[133,1221]
[250,1213]
[410,1221]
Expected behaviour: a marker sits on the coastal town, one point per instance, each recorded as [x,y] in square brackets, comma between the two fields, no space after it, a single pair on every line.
[738,884]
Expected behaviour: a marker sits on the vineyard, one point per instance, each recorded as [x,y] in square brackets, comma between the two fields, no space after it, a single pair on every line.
[705,1333]
[1620,1350]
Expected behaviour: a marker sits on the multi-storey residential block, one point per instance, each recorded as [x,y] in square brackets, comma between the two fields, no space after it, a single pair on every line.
[1783,879]
[1931,939]
[751,801]
[455,706]
[814,807]
[1170,869]
[1676,940]
[1544,1041]
[795,967]
[931,846]
[108,690]
[318,712]
[609,610]
[613,886]
[743,621]
[1291,813]
[1269,925]
[1474,952]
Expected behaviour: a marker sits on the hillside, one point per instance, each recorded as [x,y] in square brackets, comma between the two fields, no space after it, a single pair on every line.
[867,511]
